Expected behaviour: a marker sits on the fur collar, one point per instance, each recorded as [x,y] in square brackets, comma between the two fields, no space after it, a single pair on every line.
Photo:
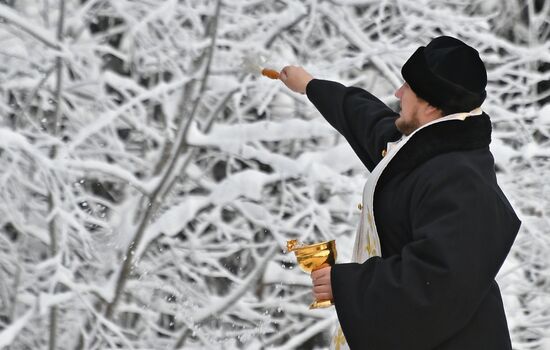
[454,135]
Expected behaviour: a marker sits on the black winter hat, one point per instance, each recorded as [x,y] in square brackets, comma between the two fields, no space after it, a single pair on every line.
[448,74]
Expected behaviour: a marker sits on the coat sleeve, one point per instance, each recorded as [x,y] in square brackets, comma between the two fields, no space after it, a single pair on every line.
[365,121]
[462,230]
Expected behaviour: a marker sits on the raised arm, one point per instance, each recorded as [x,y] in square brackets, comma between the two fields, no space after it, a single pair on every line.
[365,121]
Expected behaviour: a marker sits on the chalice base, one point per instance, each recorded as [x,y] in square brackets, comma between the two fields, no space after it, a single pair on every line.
[320,304]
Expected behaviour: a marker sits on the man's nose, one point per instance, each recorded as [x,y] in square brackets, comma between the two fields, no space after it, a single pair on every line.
[398,92]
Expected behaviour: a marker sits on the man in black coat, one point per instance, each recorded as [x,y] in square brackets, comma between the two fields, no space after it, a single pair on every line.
[443,223]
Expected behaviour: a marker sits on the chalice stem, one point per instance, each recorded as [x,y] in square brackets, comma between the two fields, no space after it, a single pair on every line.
[321,304]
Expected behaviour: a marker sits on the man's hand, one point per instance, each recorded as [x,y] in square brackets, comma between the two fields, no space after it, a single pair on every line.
[322,289]
[295,78]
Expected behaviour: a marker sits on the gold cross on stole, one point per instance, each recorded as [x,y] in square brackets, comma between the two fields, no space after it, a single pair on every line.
[339,339]
[370,247]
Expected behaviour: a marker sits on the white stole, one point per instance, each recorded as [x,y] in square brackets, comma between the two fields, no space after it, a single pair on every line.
[367,242]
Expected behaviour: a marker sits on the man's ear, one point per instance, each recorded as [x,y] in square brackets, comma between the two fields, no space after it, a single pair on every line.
[433,111]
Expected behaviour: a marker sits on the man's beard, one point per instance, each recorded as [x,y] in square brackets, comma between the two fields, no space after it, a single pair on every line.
[406,127]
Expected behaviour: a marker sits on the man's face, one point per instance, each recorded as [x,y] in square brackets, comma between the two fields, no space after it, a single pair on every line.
[410,117]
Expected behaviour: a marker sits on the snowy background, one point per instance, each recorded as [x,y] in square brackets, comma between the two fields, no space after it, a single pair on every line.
[148,183]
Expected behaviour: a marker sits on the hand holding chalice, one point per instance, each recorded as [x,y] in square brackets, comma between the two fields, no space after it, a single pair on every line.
[313,257]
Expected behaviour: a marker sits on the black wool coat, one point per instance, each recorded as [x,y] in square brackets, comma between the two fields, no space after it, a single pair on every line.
[445,228]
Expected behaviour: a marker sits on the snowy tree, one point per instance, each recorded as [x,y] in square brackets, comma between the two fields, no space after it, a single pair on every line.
[149,181]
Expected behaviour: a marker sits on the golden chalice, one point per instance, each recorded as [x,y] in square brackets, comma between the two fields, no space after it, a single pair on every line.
[313,257]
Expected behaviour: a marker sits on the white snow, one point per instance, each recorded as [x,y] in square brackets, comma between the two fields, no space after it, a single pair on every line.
[257,166]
